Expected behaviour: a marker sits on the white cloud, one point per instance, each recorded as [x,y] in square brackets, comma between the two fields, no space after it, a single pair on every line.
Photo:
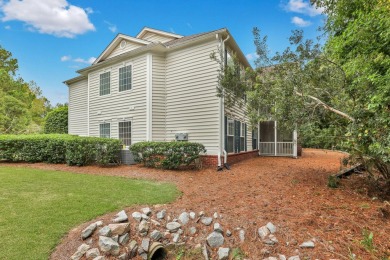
[303,7]
[300,22]
[89,10]
[55,17]
[252,56]
[7,27]
[111,27]
[78,60]
[66,58]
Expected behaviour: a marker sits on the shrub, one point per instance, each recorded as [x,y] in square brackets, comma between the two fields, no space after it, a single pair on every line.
[59,148]
[56,121]
[167,155]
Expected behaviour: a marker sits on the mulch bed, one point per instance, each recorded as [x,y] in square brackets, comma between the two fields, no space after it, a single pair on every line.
[291,193]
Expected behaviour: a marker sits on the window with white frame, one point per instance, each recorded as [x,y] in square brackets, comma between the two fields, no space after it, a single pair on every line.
[105,83]
[125,78]
[230,136]
[125,132]
[242,137]
[104,130]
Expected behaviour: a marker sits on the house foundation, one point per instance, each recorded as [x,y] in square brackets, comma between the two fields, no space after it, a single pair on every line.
[212,160]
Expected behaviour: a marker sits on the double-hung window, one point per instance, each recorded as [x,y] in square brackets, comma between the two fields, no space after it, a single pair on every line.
[104,130]
[125,78]
[242,137]
[105,83]
[125,132]
[230,136]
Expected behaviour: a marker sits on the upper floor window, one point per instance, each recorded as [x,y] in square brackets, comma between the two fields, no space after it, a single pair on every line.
[230,127]
[125,78]
[104,130]
[105,83]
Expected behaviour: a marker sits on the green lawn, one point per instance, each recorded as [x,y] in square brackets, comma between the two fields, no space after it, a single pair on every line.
[38,207]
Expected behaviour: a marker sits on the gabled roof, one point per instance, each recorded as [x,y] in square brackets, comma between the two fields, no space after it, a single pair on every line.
[115,42]
[148,29]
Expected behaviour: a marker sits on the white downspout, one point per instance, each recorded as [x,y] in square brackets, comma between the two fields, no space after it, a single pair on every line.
[222,115]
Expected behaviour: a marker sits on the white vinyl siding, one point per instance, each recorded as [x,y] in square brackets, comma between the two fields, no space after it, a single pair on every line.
[104,130]
[120,106]
[125,75]
[119,50]
[104,83]
[154,37]
[191,102]
[158,98]
[78,108]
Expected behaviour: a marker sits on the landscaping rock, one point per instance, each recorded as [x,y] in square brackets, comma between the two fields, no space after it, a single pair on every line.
[108,245]
[142,254]
[133,247]
[137,216]
[270,258]
[145,244]
[105,231]
[144,216]
[173,226]
[119,229]
[263,232]
[307,244]
[206,220]
[99,223]
[87,232]
[184,218]
[271,227]
[120,217]
[156,235]
[143,228]
[241,235]
[271,240]
[192,215]
[81,250]
[155,222]
[205,252]
[201,214]
[215,239]
[115,238]
[92,253]
[123,257]
[99,258]
[218,228]
[176,238]
[282,257]
[215,215]
[192,230]
[296,257]
[123,239]
[161,214]
[147,211]
[228,233]
[223,253]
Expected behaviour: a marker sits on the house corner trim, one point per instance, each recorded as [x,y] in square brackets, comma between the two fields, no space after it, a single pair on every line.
[149,96]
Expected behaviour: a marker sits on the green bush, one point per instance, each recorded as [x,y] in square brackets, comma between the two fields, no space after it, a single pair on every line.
[56,121]
[59,148]
[167,155]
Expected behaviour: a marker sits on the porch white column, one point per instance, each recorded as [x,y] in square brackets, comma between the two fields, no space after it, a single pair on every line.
[276,137]
[295,144]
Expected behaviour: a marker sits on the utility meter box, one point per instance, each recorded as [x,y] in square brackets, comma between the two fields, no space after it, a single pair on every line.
[181,137]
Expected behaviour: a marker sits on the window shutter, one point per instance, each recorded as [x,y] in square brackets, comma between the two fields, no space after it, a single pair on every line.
[225,134]
[246,139]
[237,127]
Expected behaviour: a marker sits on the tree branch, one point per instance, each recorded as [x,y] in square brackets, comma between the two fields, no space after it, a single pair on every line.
[327,107]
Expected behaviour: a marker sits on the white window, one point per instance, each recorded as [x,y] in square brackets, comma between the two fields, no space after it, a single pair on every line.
[104,130]
[230,127]
[125,132]
[242,137]
[105,83]
[125,78]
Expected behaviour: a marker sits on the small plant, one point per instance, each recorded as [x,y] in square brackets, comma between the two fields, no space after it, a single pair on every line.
[237,254]
[180,254]
[333,182]
[368,240]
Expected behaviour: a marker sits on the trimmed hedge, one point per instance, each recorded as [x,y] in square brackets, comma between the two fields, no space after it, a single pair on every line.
[56,121]
[59,148]
[167,155]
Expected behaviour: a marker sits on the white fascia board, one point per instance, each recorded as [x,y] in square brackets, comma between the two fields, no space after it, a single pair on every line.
[147,29]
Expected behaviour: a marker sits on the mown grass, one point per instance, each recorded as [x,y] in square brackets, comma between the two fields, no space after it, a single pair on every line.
[37,207]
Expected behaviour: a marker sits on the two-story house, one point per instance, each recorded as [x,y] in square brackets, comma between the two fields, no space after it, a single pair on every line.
[160,86]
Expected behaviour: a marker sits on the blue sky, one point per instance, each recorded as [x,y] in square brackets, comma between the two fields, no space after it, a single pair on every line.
[53,38]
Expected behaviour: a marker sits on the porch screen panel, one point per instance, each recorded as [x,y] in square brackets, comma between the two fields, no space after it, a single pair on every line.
[267,131]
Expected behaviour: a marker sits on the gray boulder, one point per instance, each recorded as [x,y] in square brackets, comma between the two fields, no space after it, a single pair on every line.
[123,256]
[137,216]
[307,244]
[271,227]
[295,257]
[132,248]
[143,227]
[184,218]
[206,220]
[228,233]
[81,250]
[223,253]
[156,235]
[161,214]
[146,211]
[123,239]
[108,245]
[215,239]
[87,232]
[263,232]
[192,230]
[92,253]
[120,217]
[176,238]
[99,258]
[218,228]
[173,226]
[105,231]
[145,217]
[215,215]
[192,215]
[145,244]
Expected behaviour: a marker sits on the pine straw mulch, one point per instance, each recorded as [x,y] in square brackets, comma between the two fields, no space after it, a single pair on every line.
[291,193]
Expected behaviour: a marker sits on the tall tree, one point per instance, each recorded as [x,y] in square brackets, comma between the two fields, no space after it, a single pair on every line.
[22,106]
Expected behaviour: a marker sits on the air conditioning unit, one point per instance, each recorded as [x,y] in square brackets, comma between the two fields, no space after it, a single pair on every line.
[181,137]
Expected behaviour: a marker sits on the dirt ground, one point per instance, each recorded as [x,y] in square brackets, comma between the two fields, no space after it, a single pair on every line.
[291,193]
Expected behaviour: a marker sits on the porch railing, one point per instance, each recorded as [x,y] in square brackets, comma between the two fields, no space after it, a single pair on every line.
[282,148]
